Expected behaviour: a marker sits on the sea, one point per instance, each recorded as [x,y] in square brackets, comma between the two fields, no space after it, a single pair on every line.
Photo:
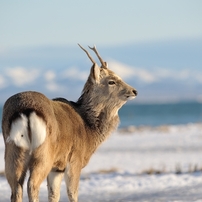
[158,114]
[161,114]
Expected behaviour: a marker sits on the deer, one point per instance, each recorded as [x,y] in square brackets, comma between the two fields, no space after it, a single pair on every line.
[55,138]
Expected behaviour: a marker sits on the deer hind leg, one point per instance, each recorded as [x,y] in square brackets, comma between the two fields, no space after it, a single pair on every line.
[40,166]
[17,156]
[54,182]
[40,162]
[15,169]
[72,177]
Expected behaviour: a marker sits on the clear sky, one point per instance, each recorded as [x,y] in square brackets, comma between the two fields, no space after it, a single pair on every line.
[106,22]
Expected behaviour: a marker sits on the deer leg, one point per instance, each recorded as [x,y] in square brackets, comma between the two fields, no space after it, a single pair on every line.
[15,169]
[72,177]
[40,166]
[54,182]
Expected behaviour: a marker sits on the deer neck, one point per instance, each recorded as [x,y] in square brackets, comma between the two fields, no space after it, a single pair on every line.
[101,118]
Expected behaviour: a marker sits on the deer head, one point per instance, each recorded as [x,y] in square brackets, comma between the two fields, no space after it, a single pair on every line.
[104,86]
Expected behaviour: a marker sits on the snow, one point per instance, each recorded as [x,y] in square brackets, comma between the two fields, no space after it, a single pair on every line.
[117,171]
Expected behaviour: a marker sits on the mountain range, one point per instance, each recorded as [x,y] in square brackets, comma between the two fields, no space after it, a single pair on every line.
[168,71]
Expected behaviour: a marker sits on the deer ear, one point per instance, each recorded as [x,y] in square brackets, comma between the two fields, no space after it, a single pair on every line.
[95,73]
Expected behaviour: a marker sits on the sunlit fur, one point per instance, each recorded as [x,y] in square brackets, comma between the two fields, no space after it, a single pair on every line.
[59,136]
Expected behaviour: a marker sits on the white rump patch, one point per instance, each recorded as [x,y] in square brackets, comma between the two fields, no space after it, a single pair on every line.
[19,133]
[38,130]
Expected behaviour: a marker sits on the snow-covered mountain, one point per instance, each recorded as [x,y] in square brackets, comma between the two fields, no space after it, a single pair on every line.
[160,72]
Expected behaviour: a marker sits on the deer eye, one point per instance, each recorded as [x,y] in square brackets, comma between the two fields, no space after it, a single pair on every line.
[111,82]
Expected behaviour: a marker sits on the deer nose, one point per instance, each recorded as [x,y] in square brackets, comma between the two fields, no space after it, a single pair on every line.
[135,92]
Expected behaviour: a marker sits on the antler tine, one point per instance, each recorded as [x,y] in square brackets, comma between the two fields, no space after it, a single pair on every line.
[87,53]
[96,52]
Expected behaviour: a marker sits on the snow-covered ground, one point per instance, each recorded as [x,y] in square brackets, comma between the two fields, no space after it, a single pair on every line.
[117,171]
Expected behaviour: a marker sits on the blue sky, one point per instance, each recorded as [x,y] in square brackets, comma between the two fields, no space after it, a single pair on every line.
[37,23]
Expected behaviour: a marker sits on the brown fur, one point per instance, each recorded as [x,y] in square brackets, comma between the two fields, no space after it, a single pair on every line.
[73,133]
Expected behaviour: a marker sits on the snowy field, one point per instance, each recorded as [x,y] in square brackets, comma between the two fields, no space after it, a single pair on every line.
[138,164]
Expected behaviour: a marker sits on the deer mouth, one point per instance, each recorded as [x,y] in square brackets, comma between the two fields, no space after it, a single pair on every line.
[130,97]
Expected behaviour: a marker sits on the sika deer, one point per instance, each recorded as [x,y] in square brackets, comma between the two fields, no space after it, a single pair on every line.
[56,138]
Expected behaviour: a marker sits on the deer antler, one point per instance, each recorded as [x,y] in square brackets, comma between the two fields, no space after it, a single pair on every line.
[87,54]
[104,64]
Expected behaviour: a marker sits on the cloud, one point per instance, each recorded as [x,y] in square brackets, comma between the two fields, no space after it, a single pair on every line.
[53,86]
[156,75]
[75,73]
[49,75]
[184,75]
[162,73]
[126,72]
[198,77]
[22,76]
[3,82]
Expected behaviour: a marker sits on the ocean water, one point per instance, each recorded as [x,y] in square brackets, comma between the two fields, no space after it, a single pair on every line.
[161,114]
[158,114]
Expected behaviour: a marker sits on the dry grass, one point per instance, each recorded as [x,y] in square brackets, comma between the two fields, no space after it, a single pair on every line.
[107,171]
[132,129]
[178,170]
[194,168]
[152,171]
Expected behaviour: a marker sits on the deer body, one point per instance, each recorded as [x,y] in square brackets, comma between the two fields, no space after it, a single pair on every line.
[56,138]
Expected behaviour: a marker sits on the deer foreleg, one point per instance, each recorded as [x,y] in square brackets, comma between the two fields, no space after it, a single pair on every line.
[54,182]
[72,176]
